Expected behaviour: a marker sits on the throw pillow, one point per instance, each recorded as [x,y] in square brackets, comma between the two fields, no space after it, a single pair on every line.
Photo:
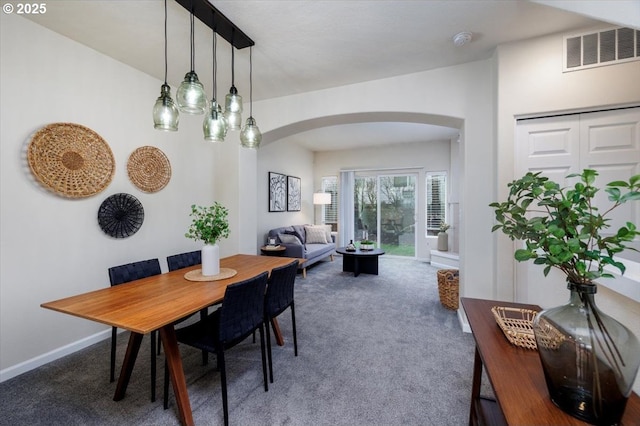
[296,233]
[299,232]
[289,239]
[316,235]
[327,229]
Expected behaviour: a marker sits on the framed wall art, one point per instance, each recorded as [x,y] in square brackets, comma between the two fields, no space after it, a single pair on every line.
[277,192]
[294,195]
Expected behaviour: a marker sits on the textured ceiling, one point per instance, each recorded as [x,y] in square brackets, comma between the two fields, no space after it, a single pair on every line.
[306,45]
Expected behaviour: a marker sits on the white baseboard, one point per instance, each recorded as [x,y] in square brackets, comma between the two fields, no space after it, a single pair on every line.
[28,365]
[462,318]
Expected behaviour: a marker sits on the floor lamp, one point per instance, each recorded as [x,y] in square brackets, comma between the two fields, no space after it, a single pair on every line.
[321,199]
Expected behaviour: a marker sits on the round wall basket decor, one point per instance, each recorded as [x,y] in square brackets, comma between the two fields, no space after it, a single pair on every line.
[71,160]
[120,215]
[149,169]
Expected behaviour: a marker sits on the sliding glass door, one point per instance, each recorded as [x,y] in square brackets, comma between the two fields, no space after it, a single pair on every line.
[385,211]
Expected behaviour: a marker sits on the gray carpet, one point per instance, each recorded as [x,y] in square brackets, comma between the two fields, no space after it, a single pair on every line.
[373,350]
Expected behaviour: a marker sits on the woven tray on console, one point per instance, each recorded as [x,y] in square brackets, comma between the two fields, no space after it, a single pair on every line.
[516,324]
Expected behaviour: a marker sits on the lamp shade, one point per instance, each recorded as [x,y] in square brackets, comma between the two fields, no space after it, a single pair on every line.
[190,95]
[233,109]
[322,198]
[165,112]
[214,125]
[250,136]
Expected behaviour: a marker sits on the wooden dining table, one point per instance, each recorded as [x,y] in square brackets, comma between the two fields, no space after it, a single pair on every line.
[156,303]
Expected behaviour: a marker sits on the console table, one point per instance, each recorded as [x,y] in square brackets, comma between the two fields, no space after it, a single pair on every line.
[516,377]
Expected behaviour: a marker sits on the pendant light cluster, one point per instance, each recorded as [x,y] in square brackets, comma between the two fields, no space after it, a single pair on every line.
[191,97]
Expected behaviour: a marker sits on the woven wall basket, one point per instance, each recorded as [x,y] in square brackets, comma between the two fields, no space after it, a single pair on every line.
[71,160]
[120,215]
[149,169]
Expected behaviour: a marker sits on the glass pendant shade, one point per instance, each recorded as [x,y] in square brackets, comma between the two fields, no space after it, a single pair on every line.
[250,137]
[233,109]
[214,125]
[190,96]
[165,113]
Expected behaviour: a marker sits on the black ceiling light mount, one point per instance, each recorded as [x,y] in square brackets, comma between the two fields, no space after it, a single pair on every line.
[214,19]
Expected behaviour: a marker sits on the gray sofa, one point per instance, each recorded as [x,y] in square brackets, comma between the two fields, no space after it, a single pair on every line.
[305,248]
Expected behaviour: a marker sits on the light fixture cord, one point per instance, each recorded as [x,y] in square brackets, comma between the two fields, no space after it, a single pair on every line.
[233,73]
[192,38]
[165,41]
[250,81]
[215,63]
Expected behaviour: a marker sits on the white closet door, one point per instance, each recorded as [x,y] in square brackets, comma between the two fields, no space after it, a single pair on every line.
[610,144]
[607,141]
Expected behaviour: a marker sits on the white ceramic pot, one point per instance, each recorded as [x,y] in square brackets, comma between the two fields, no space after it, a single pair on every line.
[210,259]
[443,241]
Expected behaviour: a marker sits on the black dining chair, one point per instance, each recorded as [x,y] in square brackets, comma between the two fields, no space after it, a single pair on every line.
[241,313]
[278,298]
[184,260]
[123,274]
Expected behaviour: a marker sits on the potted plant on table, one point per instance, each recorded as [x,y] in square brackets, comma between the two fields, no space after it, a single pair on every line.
[367,245]
[209,225]
[591,363]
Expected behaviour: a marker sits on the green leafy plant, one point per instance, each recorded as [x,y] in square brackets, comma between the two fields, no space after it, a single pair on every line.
[562,229]
[444,226]
[210,224]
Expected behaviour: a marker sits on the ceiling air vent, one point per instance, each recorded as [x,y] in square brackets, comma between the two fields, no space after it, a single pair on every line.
[606,47]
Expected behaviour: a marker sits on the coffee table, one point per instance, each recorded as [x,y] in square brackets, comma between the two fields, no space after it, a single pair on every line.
[360,261]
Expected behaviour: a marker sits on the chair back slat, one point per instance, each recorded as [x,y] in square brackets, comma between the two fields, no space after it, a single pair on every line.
[279,293]
[242,308]
[134,271]
[183,260]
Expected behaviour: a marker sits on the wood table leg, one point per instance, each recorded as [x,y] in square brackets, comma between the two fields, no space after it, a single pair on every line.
[475,388]
[276,332]
[135,339]
[176,373]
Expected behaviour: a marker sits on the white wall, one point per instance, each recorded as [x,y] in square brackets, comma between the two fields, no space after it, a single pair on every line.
[423,157]
[52,247]
[287,159]
[531,82]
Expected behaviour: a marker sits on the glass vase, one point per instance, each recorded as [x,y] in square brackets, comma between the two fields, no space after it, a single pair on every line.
[589,359]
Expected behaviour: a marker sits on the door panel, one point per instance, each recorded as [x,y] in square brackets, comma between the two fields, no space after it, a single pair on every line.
[550,145]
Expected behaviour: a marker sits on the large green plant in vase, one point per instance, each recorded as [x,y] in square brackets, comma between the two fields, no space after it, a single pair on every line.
[209,225]
[589,359]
